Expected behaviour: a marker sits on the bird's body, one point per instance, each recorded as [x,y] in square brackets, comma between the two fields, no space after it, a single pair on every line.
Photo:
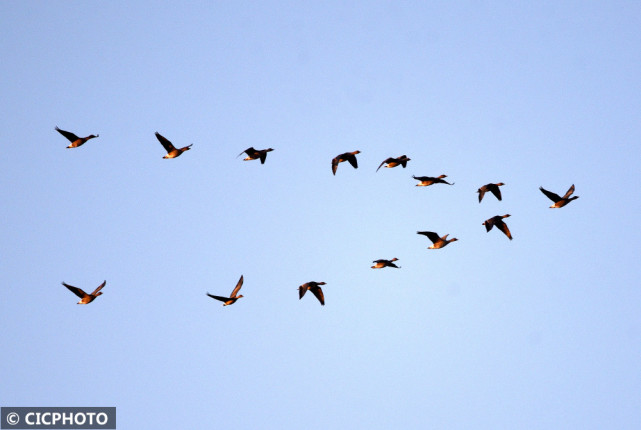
[379,264]
[84,297]
[497,221]
[559,201]
[493,188]
[232,297]
[438,242]
[347,156]
[172,151]
[75,140]
[429,180]
[315,288]
[393,162]
[255,154]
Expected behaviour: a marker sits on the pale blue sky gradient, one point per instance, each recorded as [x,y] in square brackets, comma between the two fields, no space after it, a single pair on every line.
[542,332]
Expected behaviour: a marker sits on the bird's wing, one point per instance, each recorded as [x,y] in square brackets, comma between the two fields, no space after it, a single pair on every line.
[503,227]
[318,292]
[165,143]
[569,192]
[222,299]
[496,191]
[244,152]
[550,195]
[77,291]
[488,224]
[334,165]
[263,156]
[385,162]
[301,291]
[100,287]
[237,288]
[352,160]
[69,135]
[434,237]
[481,192]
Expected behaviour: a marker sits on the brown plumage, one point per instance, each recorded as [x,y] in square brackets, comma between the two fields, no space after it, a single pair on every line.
[315,288]
[497,221]
[84,297]
[379,264]
[172,151]
[255,154]
[347,156]
[438,242]
[493,188]
[232,297]
[428,180]
[75,140]
[393,162]
[559,202]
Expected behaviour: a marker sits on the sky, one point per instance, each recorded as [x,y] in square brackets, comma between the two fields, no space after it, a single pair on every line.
[541,332]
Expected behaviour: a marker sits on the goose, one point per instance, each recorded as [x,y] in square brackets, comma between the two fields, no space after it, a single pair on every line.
[379,264]
[172,151]
[393,162]
[493,188]
[438,242]
[315,288]
[428,180]
[347,156]
[84,297]
[497,221]
[75,140]
[255,154]
[232,297]
[559,202]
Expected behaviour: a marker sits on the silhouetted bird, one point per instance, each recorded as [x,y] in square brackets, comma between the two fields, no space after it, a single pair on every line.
[385,263]
[428,180]
[233,297]
[84,297]
[172,152]
[315,288]
[493,188]
[438,242]
[559,202]
[75,140]
[255,154]
[497,221]
[347,156]
[393,162]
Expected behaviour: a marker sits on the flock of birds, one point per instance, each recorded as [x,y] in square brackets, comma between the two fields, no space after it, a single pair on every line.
[315,287]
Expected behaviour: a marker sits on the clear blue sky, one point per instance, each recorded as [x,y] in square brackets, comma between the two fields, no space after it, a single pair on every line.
[542,332]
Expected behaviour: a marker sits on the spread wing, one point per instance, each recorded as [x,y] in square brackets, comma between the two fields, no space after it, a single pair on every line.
[77,291]
[489,223]
[301,291]
[237,288]
[496,191]
[334,165]
[550,195]
[569,192]
[434,237]
[503,227]
[100,287]
[352,160]
[385,162]
[165,143]
[481,192]
[222,299]
[318,292]
[69,135]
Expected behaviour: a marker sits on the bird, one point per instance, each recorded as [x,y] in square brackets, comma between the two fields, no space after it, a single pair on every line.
[385,263]
[493,188]
[347,156]
[255,154]
[428,180]
[75,140]
[84,297]
[439,242]
[315,288]
[559,202]
[172,151]
[393,162]
[232,297]
[497,221]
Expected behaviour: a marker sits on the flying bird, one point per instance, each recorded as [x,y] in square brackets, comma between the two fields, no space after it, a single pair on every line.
[233,297]
[75,140]
[497,221]
[255,154]
[315,288]
[493,188]
[379,264]
[559,202]
[84,297]
[438,242]
[428,180]
[347,156]
[393,162]
[172,151]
